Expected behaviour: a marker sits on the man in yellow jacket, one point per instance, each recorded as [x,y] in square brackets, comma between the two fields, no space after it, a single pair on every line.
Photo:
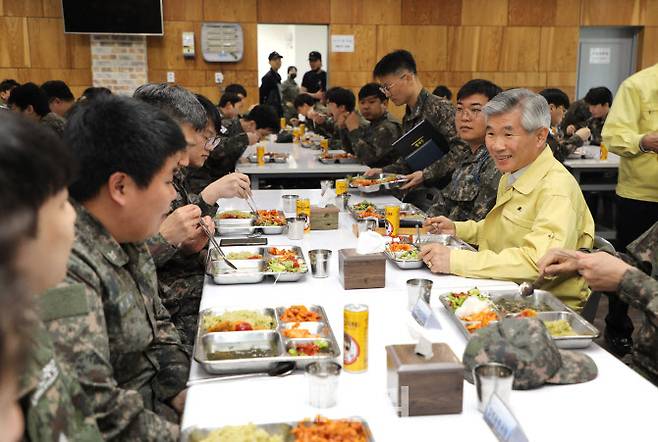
[631,131]
[539,205]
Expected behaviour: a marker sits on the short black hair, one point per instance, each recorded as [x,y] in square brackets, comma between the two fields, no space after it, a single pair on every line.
[177,102]
[8,84]
[236,88]
[442,91]
[30,94]
[599,95]
[229,97]
[394,62]
[303,99]
[34,166]
[478,86]
[291,67]
[341,97]
[265,117]
[211,111]
[93,92]
[57,89]
[372,90]
[112,134]
[556,97]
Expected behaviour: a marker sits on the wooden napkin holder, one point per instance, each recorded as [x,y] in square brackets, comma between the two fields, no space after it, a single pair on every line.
[361,271]
[324,218]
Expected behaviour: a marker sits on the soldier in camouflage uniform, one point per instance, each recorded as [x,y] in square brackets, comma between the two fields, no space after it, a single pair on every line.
[397,74]
[561,145]
[599,100]
[524,345]
[472,191]
[634,278]
[317,116]
[341,105]
[373,143]
[125,349]
[289,91]
[36,233]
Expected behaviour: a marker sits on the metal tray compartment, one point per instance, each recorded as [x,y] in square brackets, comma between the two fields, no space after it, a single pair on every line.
[333,160]
[410,215]
[273,230]
[320,329]
[379,186]
[449,241]
[243,265]
[461,325]
[284,430]
[220,311]
[333,351]
[234,226]
[287,276]
[585,332]
[269,158]
[403,263]
[222,274]
[541,300]
[314,308]
[236,346]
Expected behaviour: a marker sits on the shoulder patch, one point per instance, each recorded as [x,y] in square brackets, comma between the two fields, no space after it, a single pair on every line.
[63,302]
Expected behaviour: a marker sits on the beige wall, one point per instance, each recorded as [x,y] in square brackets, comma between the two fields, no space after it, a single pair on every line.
[512,42]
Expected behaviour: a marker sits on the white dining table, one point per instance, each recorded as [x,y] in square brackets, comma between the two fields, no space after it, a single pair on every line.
[302,163]
[618,405]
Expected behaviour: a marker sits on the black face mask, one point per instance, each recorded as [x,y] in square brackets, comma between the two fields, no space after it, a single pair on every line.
[293,75]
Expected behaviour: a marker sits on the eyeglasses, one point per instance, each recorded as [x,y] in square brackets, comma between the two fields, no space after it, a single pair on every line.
[472,112]
[386,88]
[211,142]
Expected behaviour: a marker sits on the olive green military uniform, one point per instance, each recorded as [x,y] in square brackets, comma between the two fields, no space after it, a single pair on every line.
[125,350]
[373,143]
[472,191]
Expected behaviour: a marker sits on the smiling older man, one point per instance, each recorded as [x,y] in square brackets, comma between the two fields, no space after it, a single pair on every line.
[539,204]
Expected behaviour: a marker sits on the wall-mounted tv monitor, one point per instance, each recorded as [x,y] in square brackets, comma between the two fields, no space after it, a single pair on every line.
[132,17]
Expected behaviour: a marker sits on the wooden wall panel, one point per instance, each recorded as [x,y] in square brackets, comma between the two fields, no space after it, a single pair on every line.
[474,48]
[532,13]
[612,12]
[52,8]
[563,78]
[520,49]
[364,56]
[484,12]
[188,10]
[651,16]
[431,12]
[22,8]
[8,73]
[230,10]
[166,52]
[350,79]
[649,48]
[366,12]
[427,43]
[531,80]
[15,51]
[72,77]
[567,13]
[292,11]
[559,49]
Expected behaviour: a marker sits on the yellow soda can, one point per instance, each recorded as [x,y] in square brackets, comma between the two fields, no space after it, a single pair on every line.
[392,220]
[260,154]
[324,144]
[304,209]
[355,323]
[604,152]
[295,135]
[341,187]
[302,129]
[283,123]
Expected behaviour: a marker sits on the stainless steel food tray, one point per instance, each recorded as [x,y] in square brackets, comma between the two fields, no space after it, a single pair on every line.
[250,271]
[540,299]
[272,230]
[278,158]
[389,185]
[449,241]
[410,215]
[404,264]
[245,226]
[352,160]
[197,434]
[214,342]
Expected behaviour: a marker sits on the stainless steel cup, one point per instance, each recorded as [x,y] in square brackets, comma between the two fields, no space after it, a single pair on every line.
[323,383]
[343,201]
[366,224]
[417,289]
[296,227]
[492,378]
[289,203]
[319,262]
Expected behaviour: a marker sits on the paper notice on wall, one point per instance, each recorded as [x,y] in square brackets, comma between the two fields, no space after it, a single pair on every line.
[599,55]
[342,43]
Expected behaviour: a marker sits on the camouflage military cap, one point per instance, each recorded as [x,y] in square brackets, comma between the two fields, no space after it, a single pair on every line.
[524,345]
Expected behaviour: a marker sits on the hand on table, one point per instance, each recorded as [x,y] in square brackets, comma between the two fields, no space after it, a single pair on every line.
[373,172]
[436,257]
[415,180]
[440,224]
[181,224]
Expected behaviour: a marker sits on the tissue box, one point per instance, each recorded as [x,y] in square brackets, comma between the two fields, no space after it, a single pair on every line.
[361,271]
[435,386]
[324,218]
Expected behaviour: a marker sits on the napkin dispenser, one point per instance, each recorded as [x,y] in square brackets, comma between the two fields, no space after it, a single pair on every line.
[420,386]
[324,218]
[361,271]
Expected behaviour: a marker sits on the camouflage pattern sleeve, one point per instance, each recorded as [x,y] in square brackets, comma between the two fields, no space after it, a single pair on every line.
[444,167]
[374,146]
[486,199]
[645,249]
[160,249]
[206,209]
[563,148]
[596,127]
[82,341]
[399,167]
[169,352]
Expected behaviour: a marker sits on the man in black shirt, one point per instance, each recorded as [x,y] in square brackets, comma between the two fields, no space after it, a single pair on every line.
[314,82]
[270,88]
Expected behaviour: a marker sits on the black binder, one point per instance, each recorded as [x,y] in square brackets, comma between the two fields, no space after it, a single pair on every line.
[422,146]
